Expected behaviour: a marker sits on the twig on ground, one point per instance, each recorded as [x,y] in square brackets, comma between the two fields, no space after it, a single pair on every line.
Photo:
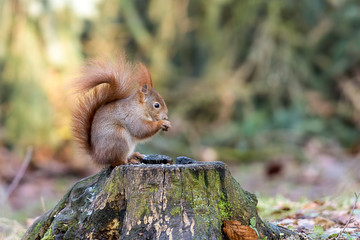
[19,174]
[350,217]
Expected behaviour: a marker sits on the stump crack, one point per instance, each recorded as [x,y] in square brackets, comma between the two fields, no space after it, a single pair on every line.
[163,196]
[181,197]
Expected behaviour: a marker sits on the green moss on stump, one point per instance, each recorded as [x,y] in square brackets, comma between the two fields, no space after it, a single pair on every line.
[151,202]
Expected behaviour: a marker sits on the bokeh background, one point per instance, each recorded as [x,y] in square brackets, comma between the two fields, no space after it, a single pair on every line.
[270,87]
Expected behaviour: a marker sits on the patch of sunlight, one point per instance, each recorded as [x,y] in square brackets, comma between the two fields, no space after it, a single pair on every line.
[82,8]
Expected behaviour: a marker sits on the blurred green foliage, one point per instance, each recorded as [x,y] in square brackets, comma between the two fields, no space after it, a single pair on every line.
[241,77]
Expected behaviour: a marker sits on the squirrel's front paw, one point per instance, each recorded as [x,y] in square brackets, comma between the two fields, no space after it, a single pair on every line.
[165,125]
[135,158]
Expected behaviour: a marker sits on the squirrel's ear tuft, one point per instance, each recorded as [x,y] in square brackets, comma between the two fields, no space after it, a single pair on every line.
[145,76]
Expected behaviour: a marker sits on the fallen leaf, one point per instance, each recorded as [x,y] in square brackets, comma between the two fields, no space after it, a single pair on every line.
[306,223]
[337,230]
[286,221]
[341,217]
[324,222]
[313,205]
[234,230]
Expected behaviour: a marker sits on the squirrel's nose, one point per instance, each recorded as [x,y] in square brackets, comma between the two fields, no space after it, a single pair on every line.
[165,118]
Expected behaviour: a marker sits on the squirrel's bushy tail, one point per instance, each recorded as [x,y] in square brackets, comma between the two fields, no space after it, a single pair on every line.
[101,82]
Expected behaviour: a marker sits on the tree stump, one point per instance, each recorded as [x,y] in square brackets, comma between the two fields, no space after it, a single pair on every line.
[154,201]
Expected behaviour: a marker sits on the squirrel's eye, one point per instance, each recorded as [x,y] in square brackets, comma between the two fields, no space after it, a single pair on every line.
[156,105]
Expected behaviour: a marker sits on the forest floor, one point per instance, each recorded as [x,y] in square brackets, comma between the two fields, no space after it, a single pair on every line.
[317,197]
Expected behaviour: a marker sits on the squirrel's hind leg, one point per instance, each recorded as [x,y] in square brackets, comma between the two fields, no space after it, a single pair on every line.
[113,151]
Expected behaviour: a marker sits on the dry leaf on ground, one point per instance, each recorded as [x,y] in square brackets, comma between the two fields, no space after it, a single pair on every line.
[234,230]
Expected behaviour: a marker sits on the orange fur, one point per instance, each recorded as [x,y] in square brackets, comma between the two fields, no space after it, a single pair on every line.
[113,110]
[101,82]
[145,77]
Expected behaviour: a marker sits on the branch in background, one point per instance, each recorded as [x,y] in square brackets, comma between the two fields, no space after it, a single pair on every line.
[136,25]
[19,175]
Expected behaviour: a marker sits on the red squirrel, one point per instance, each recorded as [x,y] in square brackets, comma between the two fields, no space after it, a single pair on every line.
[117,108]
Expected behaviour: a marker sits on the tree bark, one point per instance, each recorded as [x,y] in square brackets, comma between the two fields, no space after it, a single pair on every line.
[154,201]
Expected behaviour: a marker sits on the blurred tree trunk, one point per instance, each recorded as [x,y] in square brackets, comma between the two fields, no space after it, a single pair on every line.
[153,202]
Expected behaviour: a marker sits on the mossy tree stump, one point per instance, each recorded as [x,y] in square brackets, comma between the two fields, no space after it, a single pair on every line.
[154,201]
